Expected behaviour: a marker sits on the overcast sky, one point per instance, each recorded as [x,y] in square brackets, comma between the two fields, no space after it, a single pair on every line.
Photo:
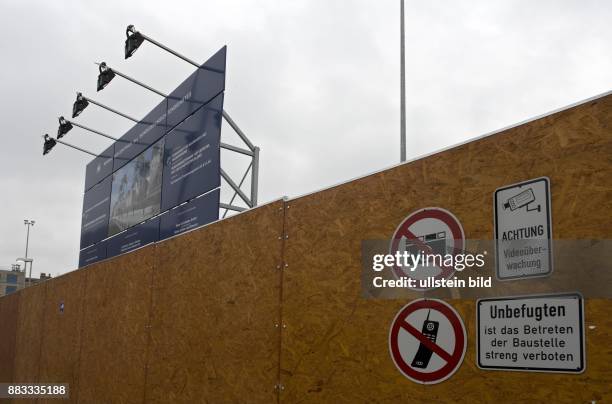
[314,83]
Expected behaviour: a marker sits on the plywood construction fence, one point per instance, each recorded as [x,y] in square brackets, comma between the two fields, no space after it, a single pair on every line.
[266,306]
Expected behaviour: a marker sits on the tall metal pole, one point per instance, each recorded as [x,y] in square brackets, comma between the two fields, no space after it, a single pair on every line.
[28,223]
[402,87]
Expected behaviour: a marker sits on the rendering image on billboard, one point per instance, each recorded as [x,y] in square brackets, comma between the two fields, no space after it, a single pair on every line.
[136,190]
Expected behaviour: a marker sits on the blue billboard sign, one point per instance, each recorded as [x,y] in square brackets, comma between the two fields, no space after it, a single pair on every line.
[99,168]
[193,214]
[92,254]
[192,156]
[94,220]
[171,156]
[200,87]
[133,238]
[142,135]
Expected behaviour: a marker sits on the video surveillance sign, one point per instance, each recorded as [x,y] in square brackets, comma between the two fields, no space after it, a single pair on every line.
[523,230]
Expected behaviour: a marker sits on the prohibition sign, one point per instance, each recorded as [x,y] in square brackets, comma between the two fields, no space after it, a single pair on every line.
[422,227]
[409,338]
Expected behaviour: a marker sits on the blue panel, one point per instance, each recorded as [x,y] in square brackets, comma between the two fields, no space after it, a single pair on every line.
[136,190]
[133,238]
[95,253]
[142,135]
[199,88]
[99,168]
[94,221]
[194,213]
[192,155]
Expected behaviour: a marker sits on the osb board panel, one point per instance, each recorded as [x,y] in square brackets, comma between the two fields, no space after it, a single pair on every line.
[30,320]
[9,306]
[59,358]
[335,345]
[215,306]
[114,335]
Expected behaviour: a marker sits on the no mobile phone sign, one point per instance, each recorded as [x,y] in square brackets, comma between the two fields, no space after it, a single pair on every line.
[427,341]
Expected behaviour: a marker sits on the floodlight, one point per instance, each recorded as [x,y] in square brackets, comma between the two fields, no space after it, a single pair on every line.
[49,144]
[136,38]
[64,127]
[105,76]
[133,41]
[79,105]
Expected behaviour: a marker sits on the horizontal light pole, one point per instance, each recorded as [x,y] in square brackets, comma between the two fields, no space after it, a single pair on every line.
[52,142]
[76,147]
[99,104]
[92,130]
[139,36]
[133,80]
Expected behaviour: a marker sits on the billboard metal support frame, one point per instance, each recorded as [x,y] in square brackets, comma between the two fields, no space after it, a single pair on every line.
[253,152]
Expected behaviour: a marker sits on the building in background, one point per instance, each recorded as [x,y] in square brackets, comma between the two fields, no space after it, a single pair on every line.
[34,281]
[11,280]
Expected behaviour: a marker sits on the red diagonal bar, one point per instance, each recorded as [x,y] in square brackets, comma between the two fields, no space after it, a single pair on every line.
[431,345]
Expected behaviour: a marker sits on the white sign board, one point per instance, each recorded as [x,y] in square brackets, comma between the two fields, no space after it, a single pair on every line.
[523,230]
[531,333]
